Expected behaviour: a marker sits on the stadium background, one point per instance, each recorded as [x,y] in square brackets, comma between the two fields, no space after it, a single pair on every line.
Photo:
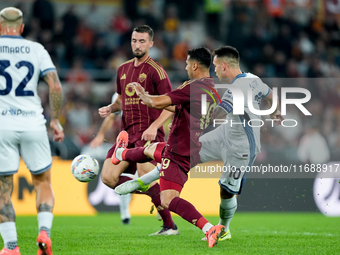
[89,40]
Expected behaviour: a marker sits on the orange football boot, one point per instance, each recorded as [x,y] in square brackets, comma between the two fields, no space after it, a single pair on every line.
[44,243]
[5,251]
[121,142]
[214,234]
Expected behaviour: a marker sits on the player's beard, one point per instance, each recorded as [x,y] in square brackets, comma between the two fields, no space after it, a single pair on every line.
[139,54]
[190,75]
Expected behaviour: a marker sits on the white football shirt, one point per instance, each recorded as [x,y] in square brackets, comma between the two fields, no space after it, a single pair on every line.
[240,137]
[22,62]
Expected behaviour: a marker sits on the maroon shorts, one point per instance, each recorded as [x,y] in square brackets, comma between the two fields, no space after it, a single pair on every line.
[132,168]
[172,176]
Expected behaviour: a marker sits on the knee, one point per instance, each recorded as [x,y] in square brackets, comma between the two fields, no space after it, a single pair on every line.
[42,179]
[149,151]
[166,200]
[108,179]
[165,203]
[225,194]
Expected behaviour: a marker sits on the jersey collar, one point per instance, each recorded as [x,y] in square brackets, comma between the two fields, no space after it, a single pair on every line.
[243,74]
[141,63]
[12,36]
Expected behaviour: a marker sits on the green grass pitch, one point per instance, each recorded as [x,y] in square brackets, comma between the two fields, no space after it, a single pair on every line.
[252,233]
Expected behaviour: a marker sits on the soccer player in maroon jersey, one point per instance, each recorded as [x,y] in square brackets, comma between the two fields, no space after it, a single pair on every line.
[182,149]
[142,123]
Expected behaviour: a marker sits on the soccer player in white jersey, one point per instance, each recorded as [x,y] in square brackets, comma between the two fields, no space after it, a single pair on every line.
[22,129]
[236,142]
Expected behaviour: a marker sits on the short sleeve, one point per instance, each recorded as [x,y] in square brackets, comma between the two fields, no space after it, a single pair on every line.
[265,89]
[46,64]
[180,95]
[162,82]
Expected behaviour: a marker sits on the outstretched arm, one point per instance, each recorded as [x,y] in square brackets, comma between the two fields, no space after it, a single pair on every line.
[156,102]
[276,115]
[56,99]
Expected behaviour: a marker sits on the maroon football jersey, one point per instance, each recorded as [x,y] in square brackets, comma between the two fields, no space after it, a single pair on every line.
[137,117]
[188,122]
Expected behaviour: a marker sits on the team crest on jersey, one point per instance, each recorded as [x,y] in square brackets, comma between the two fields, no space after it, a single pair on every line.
[142,77]
[123,77]
[129,90]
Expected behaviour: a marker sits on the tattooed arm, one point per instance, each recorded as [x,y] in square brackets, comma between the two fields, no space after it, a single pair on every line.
[56,99]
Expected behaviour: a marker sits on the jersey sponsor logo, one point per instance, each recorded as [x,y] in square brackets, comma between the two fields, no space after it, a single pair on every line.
[17,112]
[142,77]
[11,50]
[129,90]
[123,77]
[134,100]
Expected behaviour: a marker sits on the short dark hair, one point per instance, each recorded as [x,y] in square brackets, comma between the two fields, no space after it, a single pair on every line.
[145,29]
[228,52]
[202,55]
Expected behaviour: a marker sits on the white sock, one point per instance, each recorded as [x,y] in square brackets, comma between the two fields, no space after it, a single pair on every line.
[119,153]
[206,227]
[124,206]
[45,220]
[151,176]
[9,234]
[227,210]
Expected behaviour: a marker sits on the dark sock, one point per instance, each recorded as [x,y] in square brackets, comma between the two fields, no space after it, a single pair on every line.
[184,209]
[135,155]
[154,193]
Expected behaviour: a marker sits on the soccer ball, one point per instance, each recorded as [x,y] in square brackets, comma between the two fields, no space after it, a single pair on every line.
[85,168]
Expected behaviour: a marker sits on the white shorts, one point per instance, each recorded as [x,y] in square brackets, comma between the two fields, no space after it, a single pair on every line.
[232,178]
[32,146]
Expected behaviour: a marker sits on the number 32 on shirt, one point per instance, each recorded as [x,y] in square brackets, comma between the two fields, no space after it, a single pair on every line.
[19,91]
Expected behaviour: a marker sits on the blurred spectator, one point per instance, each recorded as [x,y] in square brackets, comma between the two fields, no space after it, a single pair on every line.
[180,54]
[131,9]
[213,10]
[77,73]
[313,148]
[120,22]
[171,22]
[94,19]
[43,11]
[70,24]
[100,53]
[86,34]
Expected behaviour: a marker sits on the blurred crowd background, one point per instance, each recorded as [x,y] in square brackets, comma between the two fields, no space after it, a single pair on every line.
[290,42]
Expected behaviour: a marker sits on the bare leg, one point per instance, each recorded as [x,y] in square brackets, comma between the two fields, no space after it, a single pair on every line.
[44,200]
[111,173]
[154,193]
[7,213]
